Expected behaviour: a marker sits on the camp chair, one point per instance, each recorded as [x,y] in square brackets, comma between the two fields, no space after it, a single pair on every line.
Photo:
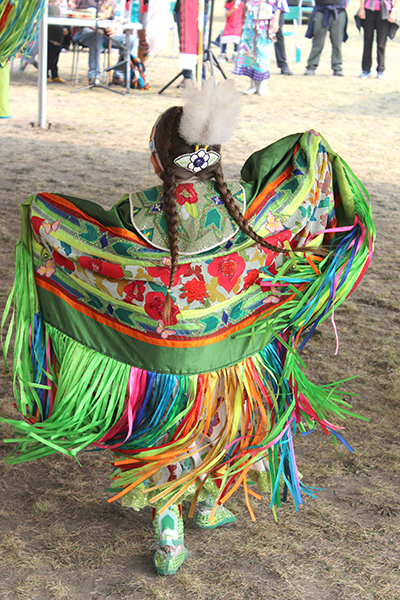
[77,48]
[305,10]
[293,15]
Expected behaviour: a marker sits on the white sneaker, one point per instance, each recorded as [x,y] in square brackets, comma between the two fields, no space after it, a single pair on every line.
[253,87]
[263,88]
[365,74]
[380,75]
[222,58]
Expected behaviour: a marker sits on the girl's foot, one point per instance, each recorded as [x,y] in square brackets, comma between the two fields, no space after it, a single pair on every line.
[262,478]
[168,559]
[253,87]
[22,66]
[168,535]
[222,517]
[263,88]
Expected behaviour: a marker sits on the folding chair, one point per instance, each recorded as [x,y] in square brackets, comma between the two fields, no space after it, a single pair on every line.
[293,15]
[76,49]
[305,10]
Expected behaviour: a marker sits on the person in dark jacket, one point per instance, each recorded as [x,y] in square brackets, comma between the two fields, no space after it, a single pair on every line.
[328,15]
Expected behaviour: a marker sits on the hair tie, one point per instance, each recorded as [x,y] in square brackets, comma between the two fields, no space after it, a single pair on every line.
[198,160]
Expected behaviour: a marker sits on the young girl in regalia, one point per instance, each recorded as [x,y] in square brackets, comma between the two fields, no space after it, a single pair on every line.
[167,329]
[255,48]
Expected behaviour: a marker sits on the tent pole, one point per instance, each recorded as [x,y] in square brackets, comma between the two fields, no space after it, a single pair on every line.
[42,70]
[200,24]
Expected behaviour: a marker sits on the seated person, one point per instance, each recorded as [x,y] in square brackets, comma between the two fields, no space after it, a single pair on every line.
[88,37]
[56,35]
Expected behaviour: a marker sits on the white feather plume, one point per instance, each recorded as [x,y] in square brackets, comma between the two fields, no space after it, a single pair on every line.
[210,114]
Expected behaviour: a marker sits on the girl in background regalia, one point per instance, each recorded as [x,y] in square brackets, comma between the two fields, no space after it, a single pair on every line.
[259,30]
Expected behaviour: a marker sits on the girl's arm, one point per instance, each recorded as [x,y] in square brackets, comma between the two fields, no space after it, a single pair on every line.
[275,21]
[393,13]
[230,12]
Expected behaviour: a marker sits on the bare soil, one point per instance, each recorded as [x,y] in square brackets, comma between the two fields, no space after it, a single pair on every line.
[59,538]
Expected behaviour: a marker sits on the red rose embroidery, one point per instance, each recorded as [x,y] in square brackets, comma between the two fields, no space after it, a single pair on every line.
[185,193]
[195,290]
[228,269]
[134,291]
[99,266]
[154,307]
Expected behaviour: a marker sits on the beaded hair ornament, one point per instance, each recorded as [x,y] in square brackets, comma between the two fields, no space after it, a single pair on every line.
[209,117]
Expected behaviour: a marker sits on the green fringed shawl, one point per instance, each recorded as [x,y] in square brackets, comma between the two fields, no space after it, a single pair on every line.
[199,402]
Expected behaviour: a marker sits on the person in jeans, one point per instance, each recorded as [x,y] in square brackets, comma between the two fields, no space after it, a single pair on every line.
[375,15]
[94,40]
[328,15]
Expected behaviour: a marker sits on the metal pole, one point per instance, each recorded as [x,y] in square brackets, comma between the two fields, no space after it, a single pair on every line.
[128,59]
[200,43]
[42,71]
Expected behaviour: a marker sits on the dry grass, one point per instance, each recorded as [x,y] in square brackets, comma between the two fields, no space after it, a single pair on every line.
[59,538]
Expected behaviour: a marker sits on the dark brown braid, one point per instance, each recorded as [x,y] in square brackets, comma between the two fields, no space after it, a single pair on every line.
[169,145]
[169,200]
[242,223]
[233,209]
[235,213]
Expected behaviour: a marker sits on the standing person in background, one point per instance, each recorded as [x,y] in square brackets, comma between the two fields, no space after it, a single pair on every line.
[233,28]
[280,52]
[143,49]
[328,15]
[259,31]
[376,15]
[188,73]
[53,53]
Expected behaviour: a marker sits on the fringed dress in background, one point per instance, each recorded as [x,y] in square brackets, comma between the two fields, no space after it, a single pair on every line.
[255,47]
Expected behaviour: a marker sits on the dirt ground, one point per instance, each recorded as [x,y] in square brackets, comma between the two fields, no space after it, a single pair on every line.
[59,538]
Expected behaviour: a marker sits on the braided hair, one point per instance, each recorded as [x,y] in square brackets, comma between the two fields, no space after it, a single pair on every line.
[168,145]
